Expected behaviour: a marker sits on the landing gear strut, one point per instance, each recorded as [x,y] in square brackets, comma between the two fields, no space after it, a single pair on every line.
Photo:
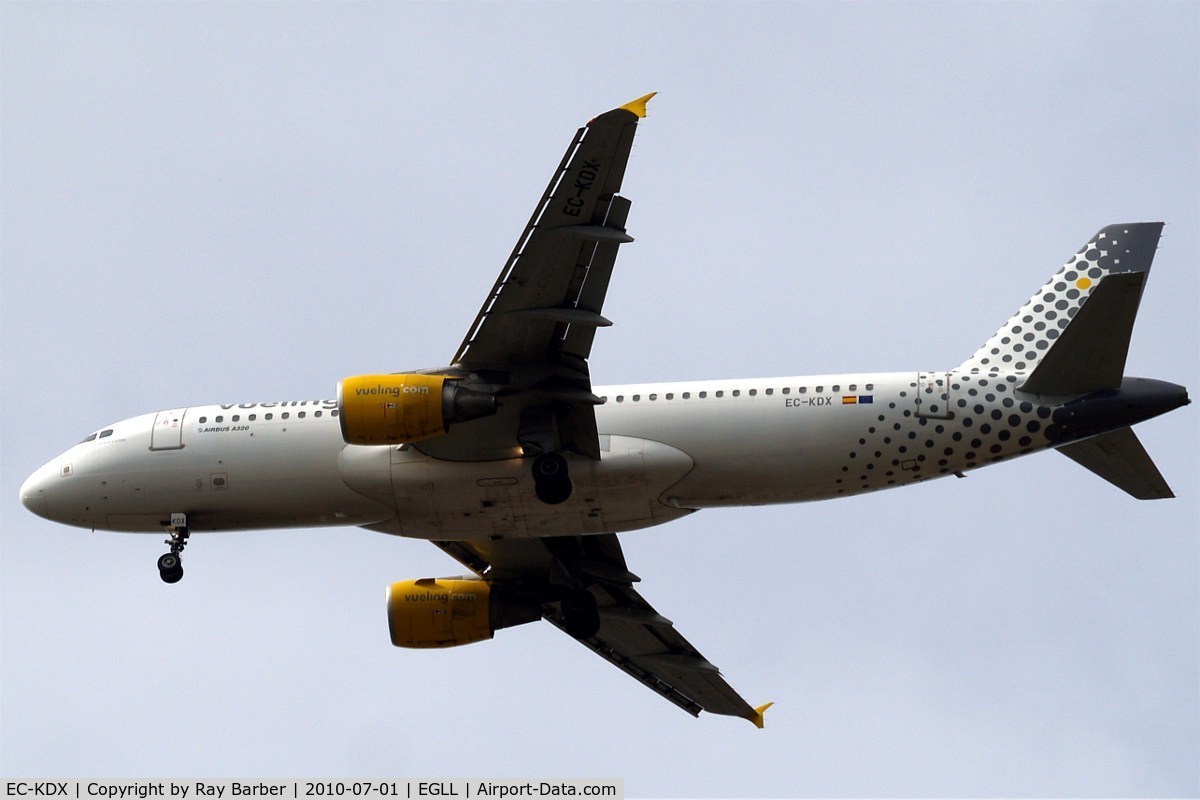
[570,586]
[170,566]
[551,481]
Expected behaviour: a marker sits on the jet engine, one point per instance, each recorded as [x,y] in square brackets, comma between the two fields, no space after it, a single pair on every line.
[394,409]
[445,612]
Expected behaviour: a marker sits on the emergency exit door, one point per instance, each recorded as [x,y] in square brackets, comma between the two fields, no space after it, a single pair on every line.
[167,433]
[934,395]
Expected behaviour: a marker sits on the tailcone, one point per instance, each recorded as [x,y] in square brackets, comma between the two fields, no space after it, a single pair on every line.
[1137,400]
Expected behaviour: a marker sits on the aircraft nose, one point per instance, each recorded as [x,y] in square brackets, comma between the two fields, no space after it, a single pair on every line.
[33,493]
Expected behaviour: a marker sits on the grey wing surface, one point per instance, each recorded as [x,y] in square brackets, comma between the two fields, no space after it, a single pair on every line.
[531,340]
[632,636]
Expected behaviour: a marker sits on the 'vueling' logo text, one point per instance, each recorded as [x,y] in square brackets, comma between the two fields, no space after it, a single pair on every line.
[394,391]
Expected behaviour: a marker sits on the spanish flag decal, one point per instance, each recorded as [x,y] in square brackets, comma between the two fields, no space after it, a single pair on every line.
[858,399]
[849,400]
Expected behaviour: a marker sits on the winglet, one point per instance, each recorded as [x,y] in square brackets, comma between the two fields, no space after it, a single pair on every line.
[757,716]
[638,106]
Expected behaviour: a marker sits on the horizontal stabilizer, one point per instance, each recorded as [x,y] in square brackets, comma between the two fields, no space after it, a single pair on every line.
[1090,353]
[1120,459]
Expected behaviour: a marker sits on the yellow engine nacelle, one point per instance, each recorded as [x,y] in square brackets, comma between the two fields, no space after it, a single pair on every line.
[394,409]
[444,612]
[439,612]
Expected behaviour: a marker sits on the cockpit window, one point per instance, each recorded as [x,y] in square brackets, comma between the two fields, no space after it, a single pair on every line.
[106,434]
[90,438]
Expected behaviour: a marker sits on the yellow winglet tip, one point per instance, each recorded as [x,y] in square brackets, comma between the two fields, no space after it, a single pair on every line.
[759,712]
[638,106]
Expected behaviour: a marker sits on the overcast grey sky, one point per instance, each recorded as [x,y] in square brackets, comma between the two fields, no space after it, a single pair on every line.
[209,203]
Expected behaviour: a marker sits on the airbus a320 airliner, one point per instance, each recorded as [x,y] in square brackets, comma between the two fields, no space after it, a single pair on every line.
[513,463]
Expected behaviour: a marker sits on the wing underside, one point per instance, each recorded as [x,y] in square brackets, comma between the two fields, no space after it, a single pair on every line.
[531,340]
[529,347]
[632,636]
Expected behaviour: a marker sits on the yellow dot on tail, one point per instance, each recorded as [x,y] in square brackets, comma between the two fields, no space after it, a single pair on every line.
[1083,283]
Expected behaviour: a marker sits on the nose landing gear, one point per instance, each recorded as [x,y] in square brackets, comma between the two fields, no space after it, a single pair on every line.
[170,566]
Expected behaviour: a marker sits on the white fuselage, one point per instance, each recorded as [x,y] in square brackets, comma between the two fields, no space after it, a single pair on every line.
[666,449]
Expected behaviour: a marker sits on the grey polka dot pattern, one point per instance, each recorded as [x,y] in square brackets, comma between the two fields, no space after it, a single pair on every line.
[945,423]
[1018,345]
[990,421]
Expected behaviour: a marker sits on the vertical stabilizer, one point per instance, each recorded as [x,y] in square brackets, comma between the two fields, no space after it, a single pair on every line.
[1022,344]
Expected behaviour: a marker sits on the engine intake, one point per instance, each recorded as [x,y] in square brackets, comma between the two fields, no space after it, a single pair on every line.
[445,612]
[394,409]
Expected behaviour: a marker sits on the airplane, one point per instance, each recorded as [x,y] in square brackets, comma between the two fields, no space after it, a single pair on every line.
[514,464]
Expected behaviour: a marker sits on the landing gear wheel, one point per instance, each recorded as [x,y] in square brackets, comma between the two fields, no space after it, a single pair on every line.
[580,617]
[553,492]
[549,467]
[551,482]
[170,568]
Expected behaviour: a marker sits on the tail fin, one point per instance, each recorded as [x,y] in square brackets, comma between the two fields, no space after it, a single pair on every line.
[1110,271]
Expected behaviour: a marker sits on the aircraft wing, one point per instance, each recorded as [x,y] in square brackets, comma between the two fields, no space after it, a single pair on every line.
[531,339]
[632,635]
